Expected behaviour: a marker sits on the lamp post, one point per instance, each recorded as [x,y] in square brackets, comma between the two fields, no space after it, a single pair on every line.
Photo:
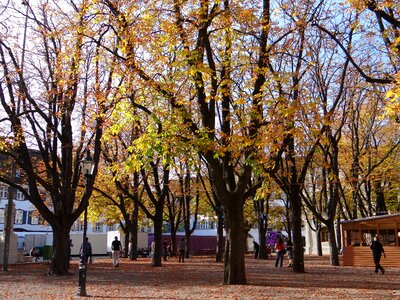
[87,165]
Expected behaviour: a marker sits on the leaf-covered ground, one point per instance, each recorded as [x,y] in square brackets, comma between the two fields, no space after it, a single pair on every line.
[201,278]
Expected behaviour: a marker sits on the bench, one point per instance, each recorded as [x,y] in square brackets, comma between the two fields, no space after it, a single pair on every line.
[26,259]
[22,257]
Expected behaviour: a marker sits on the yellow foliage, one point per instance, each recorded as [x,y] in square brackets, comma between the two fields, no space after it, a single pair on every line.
[393,106]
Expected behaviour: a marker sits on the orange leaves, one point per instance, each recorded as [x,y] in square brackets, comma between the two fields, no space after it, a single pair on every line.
[199,278]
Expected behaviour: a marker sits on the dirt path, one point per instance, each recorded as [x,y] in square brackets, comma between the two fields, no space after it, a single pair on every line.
[201,278]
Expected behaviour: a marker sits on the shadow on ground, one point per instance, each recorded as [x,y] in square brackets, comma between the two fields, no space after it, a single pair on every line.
[200,278]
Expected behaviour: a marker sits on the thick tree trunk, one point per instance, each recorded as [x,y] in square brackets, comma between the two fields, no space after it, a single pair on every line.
[61,247]
[262,231]
[298,247]
[186,225]
[330,226]
[157,255]
[234,271]
[133,228]
[188,249]
[126,240]
[381,208]
[173,243]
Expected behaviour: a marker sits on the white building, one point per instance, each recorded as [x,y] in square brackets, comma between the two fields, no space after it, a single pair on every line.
[311,240]
[30,229]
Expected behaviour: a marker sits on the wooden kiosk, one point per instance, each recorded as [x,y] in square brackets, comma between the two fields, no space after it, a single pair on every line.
[358,234]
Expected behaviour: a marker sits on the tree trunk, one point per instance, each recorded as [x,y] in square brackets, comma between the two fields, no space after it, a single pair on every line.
[381,208]
[262,231]
[126,240]
[288,224]
[60,254]
[134,219]
[219,253]
[158,221]
[338,234]
[330,226]
[319,242]
[188,249]
[298,247]
[234,271]
[133,228]
[8,229]
[186,225]
[9,218]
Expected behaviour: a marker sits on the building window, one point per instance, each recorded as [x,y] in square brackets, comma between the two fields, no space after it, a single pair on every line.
[324,234]
[19,216]
[352,238]
[212,225]
[203,224]
[33,218]
[387,237]
[111,227]
[20,196]
[98,227]
[1,215]
[78,226]
[3,191]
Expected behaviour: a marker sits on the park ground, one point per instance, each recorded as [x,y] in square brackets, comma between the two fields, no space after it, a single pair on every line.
[201,278]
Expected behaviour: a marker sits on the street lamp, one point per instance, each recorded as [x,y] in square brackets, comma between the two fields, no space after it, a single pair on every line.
[87,165]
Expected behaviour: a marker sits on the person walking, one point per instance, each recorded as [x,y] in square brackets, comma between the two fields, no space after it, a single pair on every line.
[280,251]
[69,249]
[181,248]
[165,250]
[116,248]
[289,250]
[256,248]
[152,249]
[377,251]
[86,251]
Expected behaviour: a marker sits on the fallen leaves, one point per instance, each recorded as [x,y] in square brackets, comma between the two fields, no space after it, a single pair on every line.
[200,278]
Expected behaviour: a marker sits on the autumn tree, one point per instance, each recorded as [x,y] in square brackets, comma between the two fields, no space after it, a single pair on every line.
[188,195]
[116,196]
[173,212]
[55,106]
[261,205]
[367,153]
[217,209]
[213,120]
[378,25]
[374,54]
[236,82]
[211,64]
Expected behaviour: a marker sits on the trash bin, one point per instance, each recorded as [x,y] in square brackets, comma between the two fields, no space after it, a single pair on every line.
[47,251]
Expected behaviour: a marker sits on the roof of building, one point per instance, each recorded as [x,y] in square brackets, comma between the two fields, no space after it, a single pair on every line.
[375,219]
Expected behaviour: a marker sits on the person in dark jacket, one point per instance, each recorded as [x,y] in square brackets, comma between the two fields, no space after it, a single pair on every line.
[377,251]
[116,248]
[34,253]
[165,250]
[256,247]
[182,249]
[86,251]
